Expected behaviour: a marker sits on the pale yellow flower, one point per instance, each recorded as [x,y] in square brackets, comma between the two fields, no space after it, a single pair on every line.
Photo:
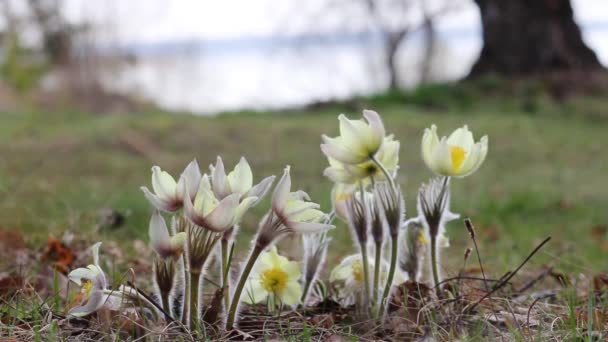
[388,155]
[359,140]
[457,155]
[274,275]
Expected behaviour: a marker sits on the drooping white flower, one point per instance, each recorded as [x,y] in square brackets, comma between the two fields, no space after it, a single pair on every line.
[210,213]
[359,140]
[387,155]
[95,295]
[274,277]
[164,245]
[457,155]
[168,194]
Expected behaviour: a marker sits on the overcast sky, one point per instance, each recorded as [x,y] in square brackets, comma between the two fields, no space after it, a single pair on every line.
[154,20]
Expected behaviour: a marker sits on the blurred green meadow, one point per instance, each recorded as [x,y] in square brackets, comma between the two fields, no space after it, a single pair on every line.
[545,174]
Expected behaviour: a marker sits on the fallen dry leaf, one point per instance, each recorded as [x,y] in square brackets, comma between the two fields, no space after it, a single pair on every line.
[58,255]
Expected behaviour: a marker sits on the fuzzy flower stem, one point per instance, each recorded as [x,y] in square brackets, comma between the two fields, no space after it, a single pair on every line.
[186,299]
[391,271]
[225,271]
[363,245]
[434,263]
[195,278]
[365,271]
[377,268]
[166,305]
[384,171]
[257,250]
[434,232]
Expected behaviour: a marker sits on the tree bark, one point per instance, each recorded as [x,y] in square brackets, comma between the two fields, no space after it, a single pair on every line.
[393,41]
[531,38]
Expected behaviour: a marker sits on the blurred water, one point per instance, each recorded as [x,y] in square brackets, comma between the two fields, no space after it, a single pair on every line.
[226,76]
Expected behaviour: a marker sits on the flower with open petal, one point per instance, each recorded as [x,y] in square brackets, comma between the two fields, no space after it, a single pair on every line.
[358,141]
[457,155]
[274,275]
[92,281]
[169,195]
[238,181]
[210,213]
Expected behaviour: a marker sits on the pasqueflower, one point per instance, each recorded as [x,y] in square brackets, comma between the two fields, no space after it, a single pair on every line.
[164,245]
[210,213]
[388,156]
[347,280]
[168,194]
[291,212]
[457,155]
[275,276]
[359,140]
[94,294]
[238,181]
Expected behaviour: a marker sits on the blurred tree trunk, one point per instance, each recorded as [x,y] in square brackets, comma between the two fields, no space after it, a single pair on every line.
[393,41]
[531,37]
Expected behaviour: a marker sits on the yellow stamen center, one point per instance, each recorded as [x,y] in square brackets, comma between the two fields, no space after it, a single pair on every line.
[422,238]
[87,286]
[457,154]
[357,267]
[274,280]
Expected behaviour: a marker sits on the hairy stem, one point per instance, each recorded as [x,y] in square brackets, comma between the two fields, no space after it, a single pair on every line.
[166,304]
[195,278]
[225,273]
[186,299]
[241,285]
[434,266]
[377,269]
[365,272]
[391,272]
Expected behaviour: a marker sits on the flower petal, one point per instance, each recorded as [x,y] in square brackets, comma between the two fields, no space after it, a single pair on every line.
[254,292]
[291,294]
[221,187]
[429,143]
[243,207]
[463,138]
[159,203]
[259,190]
[163,184]
[241,178]
[96,300]
[95,252]
[192,178]
[376,126]
[159,235]
[222,216]
[333,148]
[281,191]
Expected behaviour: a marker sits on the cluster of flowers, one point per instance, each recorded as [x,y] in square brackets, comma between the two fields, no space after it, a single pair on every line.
[207,209]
